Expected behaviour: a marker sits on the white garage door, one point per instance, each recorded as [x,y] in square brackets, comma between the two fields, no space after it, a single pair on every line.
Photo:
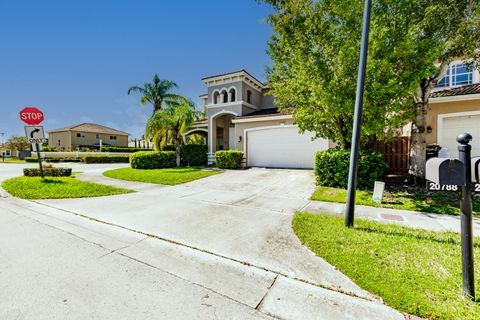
[282,147]
[451,127]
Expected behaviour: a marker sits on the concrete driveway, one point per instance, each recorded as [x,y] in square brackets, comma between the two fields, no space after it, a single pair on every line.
[237,217]
[242,215]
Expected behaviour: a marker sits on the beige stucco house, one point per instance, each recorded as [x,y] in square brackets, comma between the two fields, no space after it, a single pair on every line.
[454,108]
[86,135]
[240,115]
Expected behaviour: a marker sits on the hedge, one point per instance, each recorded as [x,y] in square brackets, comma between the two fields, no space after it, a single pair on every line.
[194,155]
[123,149]
[229,159]
[47,172]
[153,159]
[331,168]
[106,159]
[32,159]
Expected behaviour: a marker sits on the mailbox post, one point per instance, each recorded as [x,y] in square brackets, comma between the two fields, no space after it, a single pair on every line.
[464,151]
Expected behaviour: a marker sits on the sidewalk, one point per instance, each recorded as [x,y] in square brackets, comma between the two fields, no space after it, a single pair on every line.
[413,219]
[68,265]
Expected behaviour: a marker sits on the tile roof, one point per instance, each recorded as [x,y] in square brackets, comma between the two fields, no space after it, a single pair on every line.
[459,91]
[90,127]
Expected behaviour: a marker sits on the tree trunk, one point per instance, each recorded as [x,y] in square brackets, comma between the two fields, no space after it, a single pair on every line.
[418,152]
[178,153]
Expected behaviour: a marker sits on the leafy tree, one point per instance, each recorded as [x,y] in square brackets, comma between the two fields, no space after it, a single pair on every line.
[157,92]
[17,143]
[168,125]
[315,50]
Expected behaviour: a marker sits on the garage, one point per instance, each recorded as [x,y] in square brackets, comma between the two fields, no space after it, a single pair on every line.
[281,147]
[450,126]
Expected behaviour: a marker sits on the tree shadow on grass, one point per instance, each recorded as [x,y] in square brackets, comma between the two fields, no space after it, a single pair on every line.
[52,181]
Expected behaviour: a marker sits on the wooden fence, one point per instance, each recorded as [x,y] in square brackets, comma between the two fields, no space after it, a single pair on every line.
[396,153]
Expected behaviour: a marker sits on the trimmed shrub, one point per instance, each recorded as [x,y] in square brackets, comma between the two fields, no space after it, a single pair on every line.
[30,159]
[194,155]
[53,160]
[106,159]
[123,149]
[332,165]
[47,172]
[152,159]
[229,159]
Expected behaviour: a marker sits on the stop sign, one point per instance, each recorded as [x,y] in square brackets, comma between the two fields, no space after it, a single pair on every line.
[31,116]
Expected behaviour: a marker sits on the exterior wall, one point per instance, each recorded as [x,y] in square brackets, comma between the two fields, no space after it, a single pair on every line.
[267,102]
[69,140]
[240,127]
[237,85]
[256,98]
[59,140]
[435,109]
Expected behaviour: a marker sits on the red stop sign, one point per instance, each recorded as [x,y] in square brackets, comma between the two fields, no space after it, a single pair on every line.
[31,116]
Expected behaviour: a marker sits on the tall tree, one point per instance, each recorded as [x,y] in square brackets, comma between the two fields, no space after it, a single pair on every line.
[158,93]
[315,50]
[168,125]
[17,143]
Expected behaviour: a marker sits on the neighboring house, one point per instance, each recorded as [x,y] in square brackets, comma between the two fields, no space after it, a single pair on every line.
[86,135]
[239,115]
[454,108]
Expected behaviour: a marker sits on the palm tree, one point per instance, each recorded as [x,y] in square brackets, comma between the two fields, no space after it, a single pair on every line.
[168,125]
[157,93]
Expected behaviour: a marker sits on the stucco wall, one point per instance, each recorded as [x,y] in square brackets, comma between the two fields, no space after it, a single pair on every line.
[70,137]
[436,109]
[256,97]
[237,85]
[59,140]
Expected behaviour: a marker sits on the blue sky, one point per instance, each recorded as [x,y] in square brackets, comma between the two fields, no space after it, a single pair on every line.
[75,60]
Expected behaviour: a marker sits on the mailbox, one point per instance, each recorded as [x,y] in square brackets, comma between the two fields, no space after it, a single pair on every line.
[445,171]
[476,169]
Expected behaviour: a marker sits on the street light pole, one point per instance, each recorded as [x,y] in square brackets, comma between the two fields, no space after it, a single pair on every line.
[357,123]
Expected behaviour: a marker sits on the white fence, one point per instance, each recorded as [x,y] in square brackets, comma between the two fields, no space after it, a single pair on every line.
[79,154]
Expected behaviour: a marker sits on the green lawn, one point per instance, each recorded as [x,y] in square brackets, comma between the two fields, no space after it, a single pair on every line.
[168,176]
[12,160]
[443,203]
[413,271]
[57,188]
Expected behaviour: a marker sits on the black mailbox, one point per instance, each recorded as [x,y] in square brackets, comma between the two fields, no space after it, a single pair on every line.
[445,171]
[476,169]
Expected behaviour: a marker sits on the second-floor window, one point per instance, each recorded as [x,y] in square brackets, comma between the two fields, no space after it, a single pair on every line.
[249,96]
[113,137]
[457,75]
[97,136]
[80,135]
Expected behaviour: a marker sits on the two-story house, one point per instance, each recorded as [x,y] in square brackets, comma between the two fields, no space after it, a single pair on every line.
[454,108]
[240,115]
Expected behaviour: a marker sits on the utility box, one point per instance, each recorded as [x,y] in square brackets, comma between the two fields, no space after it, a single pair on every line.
[476,169]
[445,171]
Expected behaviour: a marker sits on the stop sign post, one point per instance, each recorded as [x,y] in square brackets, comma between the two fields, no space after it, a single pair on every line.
[33,116]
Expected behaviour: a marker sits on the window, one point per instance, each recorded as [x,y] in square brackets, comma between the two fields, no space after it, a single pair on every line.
[457,75]
[216,97]
[113,137]
[232,95]
[461,74]
[445,82]
[58,143]
[249,96]
[224,96]
[80,135]
[97,136]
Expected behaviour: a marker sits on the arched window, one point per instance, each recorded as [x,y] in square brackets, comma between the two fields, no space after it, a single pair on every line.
[232,93]
[216,97]
[225,96]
